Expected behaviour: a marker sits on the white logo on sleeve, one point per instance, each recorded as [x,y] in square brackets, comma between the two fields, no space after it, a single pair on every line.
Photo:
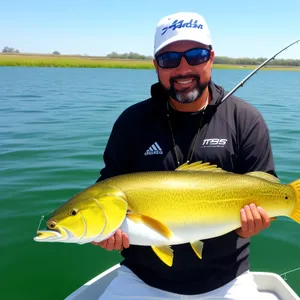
[214,143]
[153,150]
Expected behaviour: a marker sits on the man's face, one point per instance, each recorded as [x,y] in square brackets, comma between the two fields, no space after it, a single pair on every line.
[185,83]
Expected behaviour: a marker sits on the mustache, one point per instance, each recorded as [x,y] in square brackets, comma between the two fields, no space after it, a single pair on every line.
[174,78]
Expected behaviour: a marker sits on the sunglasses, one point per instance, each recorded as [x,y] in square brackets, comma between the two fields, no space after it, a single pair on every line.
[172,59]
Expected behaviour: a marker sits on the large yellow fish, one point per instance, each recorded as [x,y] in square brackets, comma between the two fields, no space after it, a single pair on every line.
[159,209]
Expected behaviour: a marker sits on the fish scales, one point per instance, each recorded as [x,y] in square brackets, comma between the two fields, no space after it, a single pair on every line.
[195,195]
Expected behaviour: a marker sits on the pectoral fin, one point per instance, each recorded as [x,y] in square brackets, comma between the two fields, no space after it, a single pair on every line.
[152,223]
[198,248]
[165,253]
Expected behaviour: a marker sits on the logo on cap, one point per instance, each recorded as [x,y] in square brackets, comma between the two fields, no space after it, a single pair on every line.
[180,24]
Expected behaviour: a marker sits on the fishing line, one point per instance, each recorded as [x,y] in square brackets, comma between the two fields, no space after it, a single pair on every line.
[41,220]
[288,272]
[253,72]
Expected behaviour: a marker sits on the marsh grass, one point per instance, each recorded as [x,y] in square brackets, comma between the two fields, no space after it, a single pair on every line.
[70,61]
[64,61]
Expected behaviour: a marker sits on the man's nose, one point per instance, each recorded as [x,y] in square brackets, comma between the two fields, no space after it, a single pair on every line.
[184,68]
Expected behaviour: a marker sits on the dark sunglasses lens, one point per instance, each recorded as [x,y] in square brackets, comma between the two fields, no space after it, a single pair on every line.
[169,60]
[197,56]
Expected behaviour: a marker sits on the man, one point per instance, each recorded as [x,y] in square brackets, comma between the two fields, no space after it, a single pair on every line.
[184,120]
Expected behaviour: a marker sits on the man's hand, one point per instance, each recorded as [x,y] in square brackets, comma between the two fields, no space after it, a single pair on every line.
[118,241]
[254,219]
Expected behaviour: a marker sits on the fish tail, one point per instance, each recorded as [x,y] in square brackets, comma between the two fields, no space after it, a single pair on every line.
[296,213]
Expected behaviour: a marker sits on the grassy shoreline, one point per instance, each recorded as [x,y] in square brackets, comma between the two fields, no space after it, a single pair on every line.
[65,61]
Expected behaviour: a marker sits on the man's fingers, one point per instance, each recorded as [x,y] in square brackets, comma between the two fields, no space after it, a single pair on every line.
[250,220]
[244,220]
[101,244]
[258,222]
[118,240]
[125,240]
[265,217]
[253,219]
[110,243]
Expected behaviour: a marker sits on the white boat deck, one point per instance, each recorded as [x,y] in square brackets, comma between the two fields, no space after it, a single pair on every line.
[271,285]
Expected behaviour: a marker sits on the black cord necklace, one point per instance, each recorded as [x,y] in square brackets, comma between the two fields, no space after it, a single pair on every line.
[195,139]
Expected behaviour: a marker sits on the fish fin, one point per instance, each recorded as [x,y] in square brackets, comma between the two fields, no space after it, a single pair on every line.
[165,254]
[152,223]
[296,213]
[264,175]
[200,166]
[198,248]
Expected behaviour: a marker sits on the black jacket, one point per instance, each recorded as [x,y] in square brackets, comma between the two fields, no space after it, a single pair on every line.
[233,135]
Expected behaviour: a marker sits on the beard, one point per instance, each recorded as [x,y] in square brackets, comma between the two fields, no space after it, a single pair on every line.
[187,95]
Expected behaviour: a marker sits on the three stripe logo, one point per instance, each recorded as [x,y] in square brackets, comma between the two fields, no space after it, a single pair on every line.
[154,149]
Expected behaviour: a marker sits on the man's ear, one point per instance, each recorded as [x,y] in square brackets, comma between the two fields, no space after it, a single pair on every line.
[212,56]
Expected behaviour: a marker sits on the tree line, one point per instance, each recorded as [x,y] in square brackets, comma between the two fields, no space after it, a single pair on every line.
[7,49]
[217,60]
[256,61]
[10,50]
[130,55]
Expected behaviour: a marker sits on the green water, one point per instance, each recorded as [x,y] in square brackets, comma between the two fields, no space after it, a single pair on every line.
[54,124]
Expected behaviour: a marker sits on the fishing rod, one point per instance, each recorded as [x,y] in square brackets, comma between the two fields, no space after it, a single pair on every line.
[253,72]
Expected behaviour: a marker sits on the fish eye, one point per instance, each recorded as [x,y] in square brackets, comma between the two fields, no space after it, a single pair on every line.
[73,212]
[52,224]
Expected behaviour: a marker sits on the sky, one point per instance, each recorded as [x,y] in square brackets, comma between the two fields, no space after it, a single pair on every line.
[257,28]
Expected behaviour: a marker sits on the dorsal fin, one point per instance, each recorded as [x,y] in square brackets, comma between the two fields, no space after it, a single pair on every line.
[200,166]
[264,175]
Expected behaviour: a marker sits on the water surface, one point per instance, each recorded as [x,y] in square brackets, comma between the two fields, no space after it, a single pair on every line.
[54,125]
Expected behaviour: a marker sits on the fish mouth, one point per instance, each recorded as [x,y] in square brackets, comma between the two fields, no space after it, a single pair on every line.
[50,235]
[60,234]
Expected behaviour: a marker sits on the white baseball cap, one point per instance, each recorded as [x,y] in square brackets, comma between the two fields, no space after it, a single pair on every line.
[181,26]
